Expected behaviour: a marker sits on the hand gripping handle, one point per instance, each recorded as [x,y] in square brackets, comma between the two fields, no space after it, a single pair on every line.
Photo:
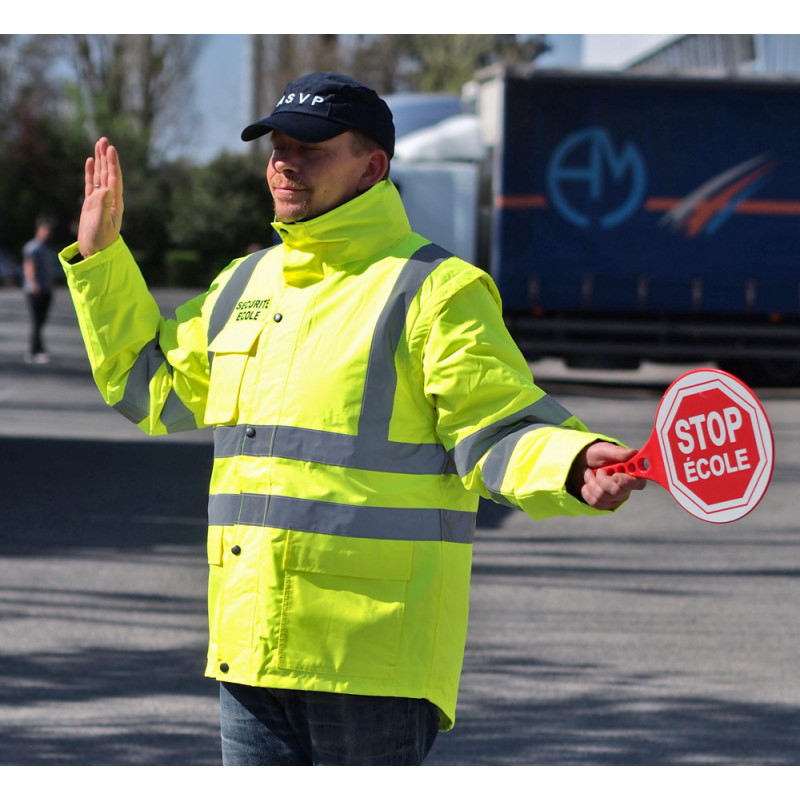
[647,463]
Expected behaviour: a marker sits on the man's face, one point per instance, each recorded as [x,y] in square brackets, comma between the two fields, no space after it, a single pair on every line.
[308,179]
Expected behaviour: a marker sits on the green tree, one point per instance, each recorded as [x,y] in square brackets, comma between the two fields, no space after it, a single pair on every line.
[41,152]
[221,210]
[435,62]
[134,90]
[438,62]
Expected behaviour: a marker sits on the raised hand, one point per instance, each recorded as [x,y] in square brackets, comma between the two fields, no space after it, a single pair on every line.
[101,214]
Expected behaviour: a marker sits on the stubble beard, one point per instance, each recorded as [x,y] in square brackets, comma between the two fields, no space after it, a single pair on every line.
[297,214]
[290,211]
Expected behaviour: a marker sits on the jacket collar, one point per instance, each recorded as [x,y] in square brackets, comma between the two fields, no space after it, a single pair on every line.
[352,232]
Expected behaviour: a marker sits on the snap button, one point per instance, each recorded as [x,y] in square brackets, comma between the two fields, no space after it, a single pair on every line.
[236,549]
[278,317]
[250,431]
[223,667]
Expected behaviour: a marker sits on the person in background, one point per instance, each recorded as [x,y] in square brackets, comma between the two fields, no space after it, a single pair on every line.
[39,269]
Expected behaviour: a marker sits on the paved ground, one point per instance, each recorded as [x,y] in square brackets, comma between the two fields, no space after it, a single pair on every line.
[652,638]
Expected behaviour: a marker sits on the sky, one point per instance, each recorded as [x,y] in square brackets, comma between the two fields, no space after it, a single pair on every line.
[614,50]
[218,99]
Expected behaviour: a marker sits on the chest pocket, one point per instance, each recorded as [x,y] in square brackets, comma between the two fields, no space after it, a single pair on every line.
[231,348]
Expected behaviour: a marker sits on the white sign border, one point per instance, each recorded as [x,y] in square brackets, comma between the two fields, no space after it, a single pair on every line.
[700,381]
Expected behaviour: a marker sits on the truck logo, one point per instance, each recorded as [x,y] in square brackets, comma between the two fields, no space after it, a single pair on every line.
[711,204]
[592,183]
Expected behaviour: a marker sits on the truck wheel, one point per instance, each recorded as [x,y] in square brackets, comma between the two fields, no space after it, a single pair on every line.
[765,371]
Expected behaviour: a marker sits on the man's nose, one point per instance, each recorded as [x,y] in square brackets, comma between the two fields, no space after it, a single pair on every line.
[284,163]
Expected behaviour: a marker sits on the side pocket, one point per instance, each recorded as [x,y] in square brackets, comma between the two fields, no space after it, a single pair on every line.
[214,545]
[231,348]
[214,588]
[343,604]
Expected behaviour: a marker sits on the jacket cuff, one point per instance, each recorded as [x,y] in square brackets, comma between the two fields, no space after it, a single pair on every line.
[70,257]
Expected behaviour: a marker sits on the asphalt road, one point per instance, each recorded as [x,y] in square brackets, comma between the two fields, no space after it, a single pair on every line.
[646,638]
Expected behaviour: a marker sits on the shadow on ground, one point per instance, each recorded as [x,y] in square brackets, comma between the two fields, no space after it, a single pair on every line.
[88,674]
[595,730]
[66,495]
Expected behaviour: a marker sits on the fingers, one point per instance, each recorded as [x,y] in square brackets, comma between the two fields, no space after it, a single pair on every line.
[103,176]
[101,215]
[594,485]
[114,173]
[89,176]
[600,454]
[93,169]
[608,492]
[102,170]
[102,161]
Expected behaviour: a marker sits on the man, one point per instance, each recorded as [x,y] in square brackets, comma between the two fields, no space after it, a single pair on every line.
[364,392]
[39,269]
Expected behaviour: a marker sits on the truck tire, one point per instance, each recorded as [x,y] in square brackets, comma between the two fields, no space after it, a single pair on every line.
[766,371]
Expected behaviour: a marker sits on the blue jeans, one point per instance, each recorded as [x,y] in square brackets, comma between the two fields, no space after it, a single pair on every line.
[262,727]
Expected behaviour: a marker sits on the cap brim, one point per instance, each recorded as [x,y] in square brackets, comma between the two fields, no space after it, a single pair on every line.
[304,127]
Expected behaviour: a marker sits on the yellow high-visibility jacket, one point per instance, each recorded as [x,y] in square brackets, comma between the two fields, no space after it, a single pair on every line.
[364,392]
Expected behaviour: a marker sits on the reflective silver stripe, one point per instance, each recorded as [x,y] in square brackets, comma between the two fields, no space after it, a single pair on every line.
[135,403]
[342,519]
[545,411]
[333,449]
[381,377]
[231,294]
[176,416]
[496,464]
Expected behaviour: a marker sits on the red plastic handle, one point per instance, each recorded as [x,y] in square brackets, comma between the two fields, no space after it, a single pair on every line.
[638,466]
[647,463]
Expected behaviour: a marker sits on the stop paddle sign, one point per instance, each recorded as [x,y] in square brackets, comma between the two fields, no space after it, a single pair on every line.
[711,446]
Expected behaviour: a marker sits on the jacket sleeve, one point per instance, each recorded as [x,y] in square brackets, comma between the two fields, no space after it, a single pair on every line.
[153,371]
[510,441]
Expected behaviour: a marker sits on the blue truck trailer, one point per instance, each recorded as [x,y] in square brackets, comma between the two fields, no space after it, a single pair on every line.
[628,218]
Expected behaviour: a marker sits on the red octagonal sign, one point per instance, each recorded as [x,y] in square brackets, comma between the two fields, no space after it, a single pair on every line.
[712,446]
[716,443]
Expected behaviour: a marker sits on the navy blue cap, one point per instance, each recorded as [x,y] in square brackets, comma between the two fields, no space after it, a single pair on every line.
[322,105]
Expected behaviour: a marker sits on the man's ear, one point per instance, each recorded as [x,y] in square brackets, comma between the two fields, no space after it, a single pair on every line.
[375,170]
